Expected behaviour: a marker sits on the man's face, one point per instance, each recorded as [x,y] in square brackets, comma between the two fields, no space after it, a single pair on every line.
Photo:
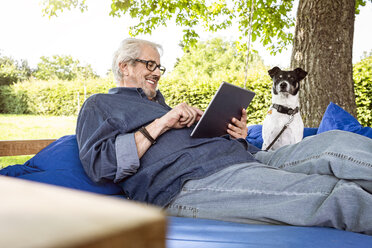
[137,75]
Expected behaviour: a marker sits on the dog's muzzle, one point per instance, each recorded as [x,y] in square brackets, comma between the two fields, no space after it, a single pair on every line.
[283,87]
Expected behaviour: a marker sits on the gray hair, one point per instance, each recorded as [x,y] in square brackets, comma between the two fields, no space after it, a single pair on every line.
[129,50]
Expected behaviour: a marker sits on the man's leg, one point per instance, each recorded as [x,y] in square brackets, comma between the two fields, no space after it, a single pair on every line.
[257,193]
[341,154]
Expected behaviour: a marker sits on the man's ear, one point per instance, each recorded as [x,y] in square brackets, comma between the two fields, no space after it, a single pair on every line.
[124,68]
[301,74]
[274,71]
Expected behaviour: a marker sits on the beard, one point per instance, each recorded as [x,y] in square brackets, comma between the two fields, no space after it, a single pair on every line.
[150,93]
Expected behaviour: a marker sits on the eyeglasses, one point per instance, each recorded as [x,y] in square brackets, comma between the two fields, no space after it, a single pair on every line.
[151,65]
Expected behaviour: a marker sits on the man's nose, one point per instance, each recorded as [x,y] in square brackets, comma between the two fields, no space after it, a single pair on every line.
[157,72]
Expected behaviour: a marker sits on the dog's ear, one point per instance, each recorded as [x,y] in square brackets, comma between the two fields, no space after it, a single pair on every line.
[301,74]
[274,71]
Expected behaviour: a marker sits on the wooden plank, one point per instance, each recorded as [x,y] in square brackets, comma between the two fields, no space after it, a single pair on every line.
[40,215]
[22,147]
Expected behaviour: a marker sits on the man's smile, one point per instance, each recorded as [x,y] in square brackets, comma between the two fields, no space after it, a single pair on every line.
[150,81]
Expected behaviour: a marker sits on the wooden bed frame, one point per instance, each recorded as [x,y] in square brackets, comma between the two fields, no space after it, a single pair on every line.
[22,147]
[139,232]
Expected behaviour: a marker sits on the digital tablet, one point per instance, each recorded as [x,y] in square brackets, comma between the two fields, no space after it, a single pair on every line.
[227,103]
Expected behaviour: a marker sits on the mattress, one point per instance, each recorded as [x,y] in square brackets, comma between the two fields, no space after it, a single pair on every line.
[202,233]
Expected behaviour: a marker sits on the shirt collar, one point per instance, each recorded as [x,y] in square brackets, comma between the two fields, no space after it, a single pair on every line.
[136,91]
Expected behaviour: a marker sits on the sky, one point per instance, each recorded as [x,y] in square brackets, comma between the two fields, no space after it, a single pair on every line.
[93,36]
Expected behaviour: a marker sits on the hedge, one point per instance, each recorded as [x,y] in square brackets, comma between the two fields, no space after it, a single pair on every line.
[49,97]
[60,97]
[362,75]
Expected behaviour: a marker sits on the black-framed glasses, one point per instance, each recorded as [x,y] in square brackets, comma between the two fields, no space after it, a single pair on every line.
[151,65]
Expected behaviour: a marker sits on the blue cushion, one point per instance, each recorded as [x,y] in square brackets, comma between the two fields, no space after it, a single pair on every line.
[309,131]
[254,136]
[59,164]
[336,117]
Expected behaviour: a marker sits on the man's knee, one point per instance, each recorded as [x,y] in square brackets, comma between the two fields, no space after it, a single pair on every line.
[339,140]
[340,135]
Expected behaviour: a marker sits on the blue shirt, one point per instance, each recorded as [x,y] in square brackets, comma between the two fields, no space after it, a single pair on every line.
[105,135]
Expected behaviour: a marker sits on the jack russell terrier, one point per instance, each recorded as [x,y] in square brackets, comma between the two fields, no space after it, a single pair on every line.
[283,124]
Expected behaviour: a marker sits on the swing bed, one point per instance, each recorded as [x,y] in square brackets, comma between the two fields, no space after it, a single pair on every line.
[59,164]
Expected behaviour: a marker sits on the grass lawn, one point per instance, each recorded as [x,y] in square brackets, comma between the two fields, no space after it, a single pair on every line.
[15,127]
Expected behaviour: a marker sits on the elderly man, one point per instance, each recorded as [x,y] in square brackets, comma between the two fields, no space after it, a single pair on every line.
[132,137]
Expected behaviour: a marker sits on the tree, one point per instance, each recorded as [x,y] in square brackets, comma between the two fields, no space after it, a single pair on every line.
[323,46]
[63,68]
[271,24]
[12,71]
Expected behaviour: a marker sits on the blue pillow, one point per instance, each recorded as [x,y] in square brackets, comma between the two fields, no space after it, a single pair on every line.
[309,131]
[59,164]
[254,136]
[336,117]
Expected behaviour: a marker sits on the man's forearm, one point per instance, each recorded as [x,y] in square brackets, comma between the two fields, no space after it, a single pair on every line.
[155,129]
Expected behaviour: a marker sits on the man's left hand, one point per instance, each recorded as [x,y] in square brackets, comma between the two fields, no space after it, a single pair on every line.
[238,128]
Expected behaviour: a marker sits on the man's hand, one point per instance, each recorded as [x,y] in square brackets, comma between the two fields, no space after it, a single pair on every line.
[238,128]
[181,116]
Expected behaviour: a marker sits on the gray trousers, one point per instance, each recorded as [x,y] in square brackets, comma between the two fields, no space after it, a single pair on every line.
[325,180]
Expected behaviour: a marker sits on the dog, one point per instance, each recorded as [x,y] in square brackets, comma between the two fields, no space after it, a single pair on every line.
[284,112]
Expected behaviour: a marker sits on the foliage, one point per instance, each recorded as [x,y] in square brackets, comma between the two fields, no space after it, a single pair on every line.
[359,3]
[63,68]
[55,67]
[363,90]
[51,7]
[211,57]
[54,97]
[13,99]
[12,71]
[272,19]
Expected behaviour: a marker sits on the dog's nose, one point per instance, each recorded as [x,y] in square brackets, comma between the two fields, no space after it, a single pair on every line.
[283,85]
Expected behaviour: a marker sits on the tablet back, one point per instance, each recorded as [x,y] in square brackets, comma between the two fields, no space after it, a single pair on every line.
[227,103]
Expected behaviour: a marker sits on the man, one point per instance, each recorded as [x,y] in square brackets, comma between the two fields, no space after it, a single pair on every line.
[130,136]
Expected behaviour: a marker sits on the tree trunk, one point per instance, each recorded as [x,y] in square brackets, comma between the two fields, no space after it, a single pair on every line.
[323,44]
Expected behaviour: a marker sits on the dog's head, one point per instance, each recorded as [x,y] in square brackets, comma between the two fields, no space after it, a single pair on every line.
[287,82]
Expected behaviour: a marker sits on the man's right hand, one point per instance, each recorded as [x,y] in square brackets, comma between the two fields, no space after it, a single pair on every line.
[180,116]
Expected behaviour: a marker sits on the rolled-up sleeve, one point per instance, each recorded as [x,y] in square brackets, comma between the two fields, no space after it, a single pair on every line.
[97,134]
[126,156]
